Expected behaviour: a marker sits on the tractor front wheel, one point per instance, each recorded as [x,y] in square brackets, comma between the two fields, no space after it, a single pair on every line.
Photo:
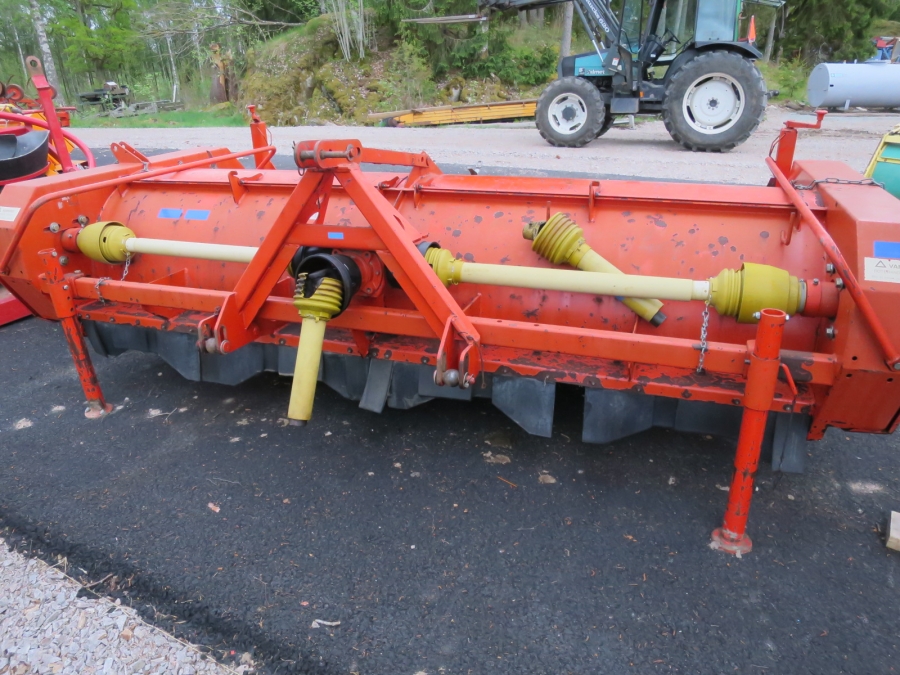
[714,102]
[570,113]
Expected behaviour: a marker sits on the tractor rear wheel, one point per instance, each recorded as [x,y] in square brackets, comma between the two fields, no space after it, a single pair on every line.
[570,113]
[714,102]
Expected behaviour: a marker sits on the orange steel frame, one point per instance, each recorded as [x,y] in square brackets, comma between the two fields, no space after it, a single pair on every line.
[259,306]
[476,330]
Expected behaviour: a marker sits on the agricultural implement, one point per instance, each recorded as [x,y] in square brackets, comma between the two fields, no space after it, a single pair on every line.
[762,313]
[32,143]
[14,99]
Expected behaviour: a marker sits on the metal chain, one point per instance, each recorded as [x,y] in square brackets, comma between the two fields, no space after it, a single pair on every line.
[127,263]
[837,181]
[102,279]
[704,346]
[97,288]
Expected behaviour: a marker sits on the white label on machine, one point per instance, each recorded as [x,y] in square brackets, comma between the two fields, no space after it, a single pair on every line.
[883,269]
[9,213]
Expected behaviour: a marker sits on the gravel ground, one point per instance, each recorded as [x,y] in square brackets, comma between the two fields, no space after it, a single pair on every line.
[47,625]
[645,152]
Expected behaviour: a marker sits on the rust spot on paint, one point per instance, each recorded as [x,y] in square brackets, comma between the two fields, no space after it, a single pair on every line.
[723,240]
[764,234]
[456,233]
[469,257]
[499,214]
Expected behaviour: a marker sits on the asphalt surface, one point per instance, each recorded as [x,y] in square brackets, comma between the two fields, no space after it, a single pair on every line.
[431,558]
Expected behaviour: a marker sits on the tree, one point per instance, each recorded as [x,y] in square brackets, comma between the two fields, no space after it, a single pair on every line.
[44,44]
[565,47]
[820,30]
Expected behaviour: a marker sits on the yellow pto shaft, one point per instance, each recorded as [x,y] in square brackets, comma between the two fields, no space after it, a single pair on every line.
[316,310]
[560,240]
[737,293]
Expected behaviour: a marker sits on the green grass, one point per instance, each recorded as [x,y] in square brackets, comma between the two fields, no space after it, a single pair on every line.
[788,77]
[177,118]
[885,27]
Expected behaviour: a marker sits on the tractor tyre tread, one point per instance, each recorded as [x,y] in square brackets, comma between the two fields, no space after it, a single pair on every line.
[607,124]
[718,60]
[592,128]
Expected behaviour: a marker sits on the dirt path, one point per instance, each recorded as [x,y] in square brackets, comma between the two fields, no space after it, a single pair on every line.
[646,151]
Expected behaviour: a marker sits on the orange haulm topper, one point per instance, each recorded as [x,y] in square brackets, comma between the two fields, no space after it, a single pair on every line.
[763,313]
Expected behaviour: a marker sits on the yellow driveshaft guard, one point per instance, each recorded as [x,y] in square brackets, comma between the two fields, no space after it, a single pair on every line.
[560,240]
[105,241]
[316,310]
[744,292]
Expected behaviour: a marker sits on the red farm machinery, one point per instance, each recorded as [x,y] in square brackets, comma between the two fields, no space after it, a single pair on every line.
[764,313]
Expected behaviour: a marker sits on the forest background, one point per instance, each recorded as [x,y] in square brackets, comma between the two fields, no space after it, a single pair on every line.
[321,61]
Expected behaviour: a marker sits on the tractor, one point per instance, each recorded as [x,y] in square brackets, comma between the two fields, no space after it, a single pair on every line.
[684,62]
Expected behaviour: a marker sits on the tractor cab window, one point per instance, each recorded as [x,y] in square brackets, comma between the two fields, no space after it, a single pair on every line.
[633,18]
[678,18]
[716,20]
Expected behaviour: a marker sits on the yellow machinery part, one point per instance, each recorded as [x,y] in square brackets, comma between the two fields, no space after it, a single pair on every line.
[736,293]
[560,240]
[316,310]
[458,114]
[745,292]
[884,167]
[105,241]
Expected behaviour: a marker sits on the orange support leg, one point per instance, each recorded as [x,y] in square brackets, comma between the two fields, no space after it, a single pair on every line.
[760,390]
[96,405]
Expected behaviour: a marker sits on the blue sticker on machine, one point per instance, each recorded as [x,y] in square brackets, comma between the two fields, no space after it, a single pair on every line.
[887,249]
[170,213]
[335,235]
[196,214]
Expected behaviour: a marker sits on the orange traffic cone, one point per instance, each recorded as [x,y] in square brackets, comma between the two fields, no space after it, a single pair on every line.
[751,31]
